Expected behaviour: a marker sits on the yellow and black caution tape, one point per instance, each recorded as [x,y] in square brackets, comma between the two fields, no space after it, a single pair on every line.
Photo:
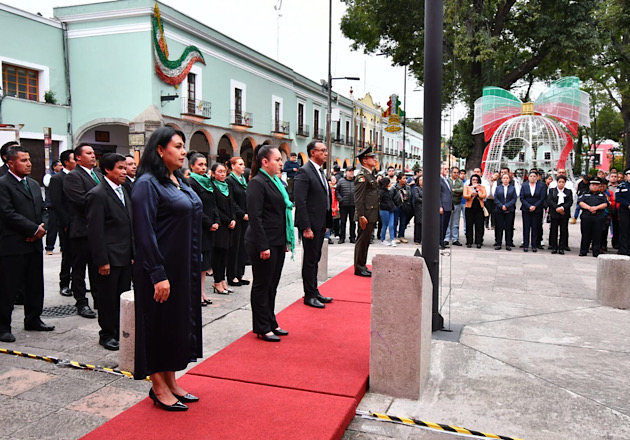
[433,426]
[67,363]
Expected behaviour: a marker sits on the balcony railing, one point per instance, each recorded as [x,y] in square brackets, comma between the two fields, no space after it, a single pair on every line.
[303,130]
[318,134]
[337,138]
[243,119]
[196,107]
[280,127]
[349,141]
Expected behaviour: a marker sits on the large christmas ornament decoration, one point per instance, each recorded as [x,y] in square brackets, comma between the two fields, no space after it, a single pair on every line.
[532,134]
[171,71]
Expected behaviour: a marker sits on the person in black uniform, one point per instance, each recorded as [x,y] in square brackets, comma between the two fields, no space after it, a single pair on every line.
[367,209]
[290,167]
[236,254]
[559,201]
[201,184]
[593,203]
[623,198]
[269,236]
[226,210]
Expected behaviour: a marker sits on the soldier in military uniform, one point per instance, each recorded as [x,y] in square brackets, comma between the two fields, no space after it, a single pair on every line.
[366,205]
[593,204]
[623,198]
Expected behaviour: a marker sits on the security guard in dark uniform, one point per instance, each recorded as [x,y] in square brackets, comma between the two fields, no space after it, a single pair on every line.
[593,204]
[366,206]
[623,198]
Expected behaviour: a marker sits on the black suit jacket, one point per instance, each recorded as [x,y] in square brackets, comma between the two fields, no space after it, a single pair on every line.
[500,201]
[4,169]
[552,202]
[311,200]
[537,199]
[76,186]
[109,226]
[59,200]
[20,216]
[238,194]
[128,185]
[209,217]
[266,210]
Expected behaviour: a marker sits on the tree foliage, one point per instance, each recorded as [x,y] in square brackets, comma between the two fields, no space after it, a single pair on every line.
[493,42]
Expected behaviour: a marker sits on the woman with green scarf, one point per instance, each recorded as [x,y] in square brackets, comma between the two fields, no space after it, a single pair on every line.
[269,237]
[236,255]
[227,222]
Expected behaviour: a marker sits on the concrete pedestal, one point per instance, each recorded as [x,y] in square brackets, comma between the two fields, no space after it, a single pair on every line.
[613,279]
[126,354]
[400,343]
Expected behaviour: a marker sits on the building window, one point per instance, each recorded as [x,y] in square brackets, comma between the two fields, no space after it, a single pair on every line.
[300,120]
[348,129]
[192,96]
[315,123]
[20,82]
[238,102]
[338,136]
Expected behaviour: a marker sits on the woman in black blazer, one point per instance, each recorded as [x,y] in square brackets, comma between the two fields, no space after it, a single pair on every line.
[559,201]
[236,254]
[269,236]
[200,183]
[227,222]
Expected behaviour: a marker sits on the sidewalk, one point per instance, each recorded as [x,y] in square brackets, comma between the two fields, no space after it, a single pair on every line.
[531,355]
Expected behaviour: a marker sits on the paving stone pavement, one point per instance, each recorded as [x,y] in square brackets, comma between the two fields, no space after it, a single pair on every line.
[532,354]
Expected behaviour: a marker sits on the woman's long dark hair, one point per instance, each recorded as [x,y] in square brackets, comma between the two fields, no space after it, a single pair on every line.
[478,179]
[151,162]
[262,152]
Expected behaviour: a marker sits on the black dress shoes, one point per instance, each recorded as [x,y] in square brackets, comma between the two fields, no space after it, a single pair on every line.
[39,327]
[109,344]
[478,246]
[65,291]
[561,251]
[497,247]
[554,251]
[87,312]
[177,406]
[341,241]
[313,302]
[235,283]
[457,243]
[508,248]
[7,337]
[244,282]
[363,273]
[323,299]
[280,332]
[188,398]
[352,240]
[268,338]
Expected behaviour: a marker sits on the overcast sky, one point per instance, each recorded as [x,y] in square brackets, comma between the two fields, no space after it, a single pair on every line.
[299,37]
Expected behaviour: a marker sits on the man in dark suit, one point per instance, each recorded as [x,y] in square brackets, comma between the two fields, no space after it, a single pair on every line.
[3,154]
[533,195]
[61,206]
[111,242]
[504,207]
[76,186]
[446,204]
[21,251]
[132,167]
[312,216]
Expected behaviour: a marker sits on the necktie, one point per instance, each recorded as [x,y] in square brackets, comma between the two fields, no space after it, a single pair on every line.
[321,172]
[120,195]
[28,188]
[94,177]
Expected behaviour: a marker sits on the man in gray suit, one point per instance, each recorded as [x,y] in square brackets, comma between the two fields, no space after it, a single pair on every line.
[446,204]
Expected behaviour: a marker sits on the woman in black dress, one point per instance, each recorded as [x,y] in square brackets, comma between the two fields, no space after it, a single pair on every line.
[201,184]
[474,194]
[236,254]
[167,226]
[226,210]
[559,201]
[269,236]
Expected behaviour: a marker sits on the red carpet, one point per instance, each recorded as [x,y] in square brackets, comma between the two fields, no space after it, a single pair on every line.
[307,386]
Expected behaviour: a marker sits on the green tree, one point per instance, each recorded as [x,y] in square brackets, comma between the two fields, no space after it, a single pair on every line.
[493,42]
[463,141]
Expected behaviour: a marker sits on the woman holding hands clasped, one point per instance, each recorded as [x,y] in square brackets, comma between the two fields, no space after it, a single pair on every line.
[474,194]
[167,271]
[269,236]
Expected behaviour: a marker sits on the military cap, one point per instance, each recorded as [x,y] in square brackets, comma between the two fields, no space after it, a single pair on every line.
[366,153]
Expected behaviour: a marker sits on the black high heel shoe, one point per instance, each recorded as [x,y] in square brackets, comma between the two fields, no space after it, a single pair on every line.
[177,406]
[188,398]
[208,301]
[222,292]
[268,338]
[244,282]
[280,332]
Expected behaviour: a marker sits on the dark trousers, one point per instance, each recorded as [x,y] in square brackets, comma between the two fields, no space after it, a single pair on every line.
[417,232]
[504,225]
[51,230]
[624,231]
[474,225]
[264,287]
[66,258]
[489,221]
[444,220]
[312,255]
[362,245]
[531,224]
[110,288]
[82,258]
[400,221]
[236,254]
[562,224]
[591,228]
[603,242]
[21,273]
[219,264]
[346,214]
[614,221]
[290,185]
